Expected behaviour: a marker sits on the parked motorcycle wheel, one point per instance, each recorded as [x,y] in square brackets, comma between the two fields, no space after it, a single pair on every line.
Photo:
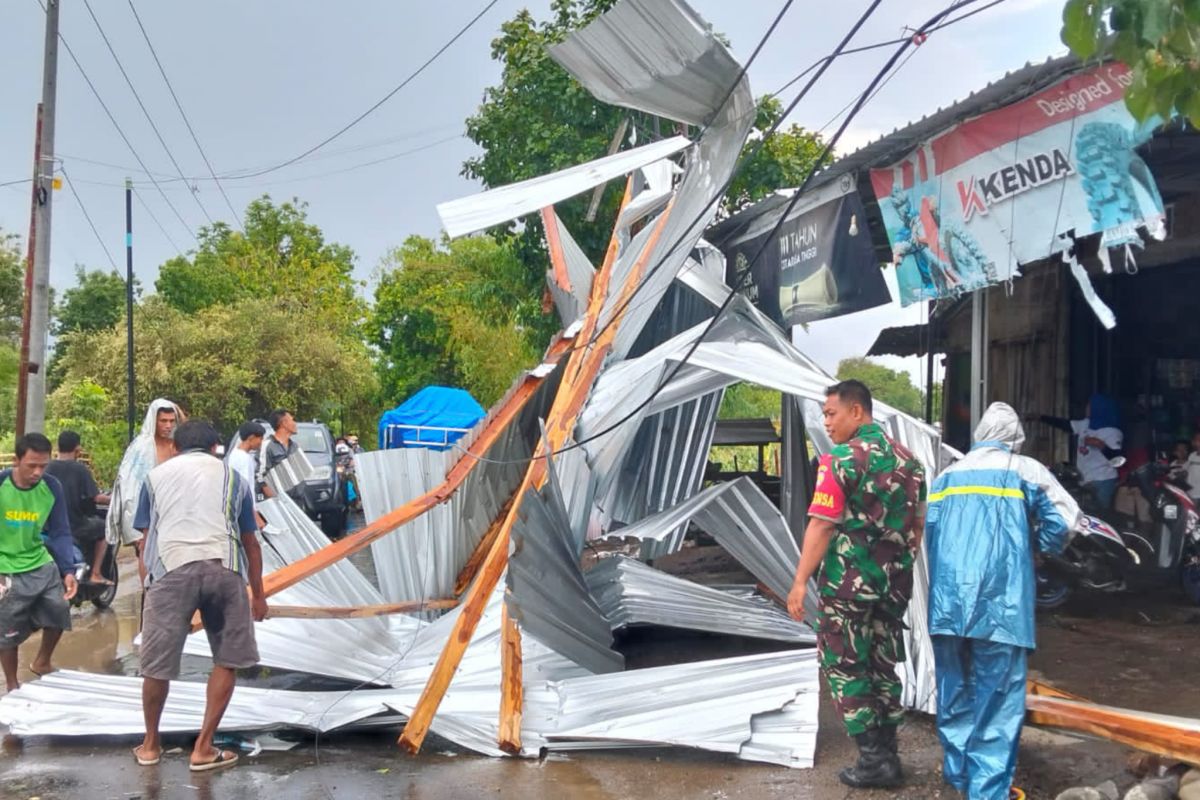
[1052,592]
[109,569]
[1189,579]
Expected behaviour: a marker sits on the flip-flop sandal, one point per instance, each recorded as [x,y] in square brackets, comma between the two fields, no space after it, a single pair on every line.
[145,762]
[98,582]
[1015,794]
[39,674]
[224,758]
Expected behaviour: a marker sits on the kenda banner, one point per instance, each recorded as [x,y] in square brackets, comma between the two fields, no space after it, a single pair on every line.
[817,264]
[965,209]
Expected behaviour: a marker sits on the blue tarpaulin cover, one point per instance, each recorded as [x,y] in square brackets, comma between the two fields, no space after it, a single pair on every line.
[436,408]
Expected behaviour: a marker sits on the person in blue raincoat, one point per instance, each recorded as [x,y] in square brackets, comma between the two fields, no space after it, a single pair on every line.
[986,514]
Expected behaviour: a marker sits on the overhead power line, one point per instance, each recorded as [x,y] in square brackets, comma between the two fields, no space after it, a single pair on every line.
[120,132]
[887,43]
[195,139]
[71,185]
[461,32]
[129,82]
[158,224]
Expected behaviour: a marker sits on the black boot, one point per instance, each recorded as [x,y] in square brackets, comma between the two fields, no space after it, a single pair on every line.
[887,737]
[877,767]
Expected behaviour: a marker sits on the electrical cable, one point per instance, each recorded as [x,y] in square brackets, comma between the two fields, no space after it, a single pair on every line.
[71,185]
[129,82]
[178,105]
[886,43]
[462,31]
[828,149]
[166,235]
[120,132]
[14,183]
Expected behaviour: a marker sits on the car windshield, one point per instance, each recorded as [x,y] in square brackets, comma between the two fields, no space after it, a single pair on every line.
[312,440]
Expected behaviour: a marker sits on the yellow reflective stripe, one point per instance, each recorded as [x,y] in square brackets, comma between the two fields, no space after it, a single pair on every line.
[990,491]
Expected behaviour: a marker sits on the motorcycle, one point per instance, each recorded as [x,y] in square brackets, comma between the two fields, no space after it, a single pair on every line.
[1110,552]
[101,595]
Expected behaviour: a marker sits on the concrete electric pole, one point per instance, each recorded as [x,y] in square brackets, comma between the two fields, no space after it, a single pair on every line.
[38,320]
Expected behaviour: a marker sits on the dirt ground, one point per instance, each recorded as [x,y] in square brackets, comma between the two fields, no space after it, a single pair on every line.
[1132,651]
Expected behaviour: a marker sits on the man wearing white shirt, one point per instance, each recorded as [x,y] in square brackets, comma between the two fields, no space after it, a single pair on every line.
[241,458]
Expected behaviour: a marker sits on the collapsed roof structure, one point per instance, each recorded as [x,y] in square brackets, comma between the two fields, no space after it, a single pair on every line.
[608,436]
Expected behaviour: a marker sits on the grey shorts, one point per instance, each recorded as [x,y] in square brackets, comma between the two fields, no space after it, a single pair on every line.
[87,534]
[219,595]
[31,601]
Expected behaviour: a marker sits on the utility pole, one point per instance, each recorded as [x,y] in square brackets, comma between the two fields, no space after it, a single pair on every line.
[37,323]
[27,301]
[129,305]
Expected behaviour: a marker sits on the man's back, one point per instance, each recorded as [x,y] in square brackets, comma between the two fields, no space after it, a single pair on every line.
[191,509]
[884,485]
[79,489]
[979,539]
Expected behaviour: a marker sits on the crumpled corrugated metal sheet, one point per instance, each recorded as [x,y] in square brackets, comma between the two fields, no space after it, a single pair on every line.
[70,703]
[422,559]
[496,206]
[761,708]
[742,520]
[632,593]
[547,593]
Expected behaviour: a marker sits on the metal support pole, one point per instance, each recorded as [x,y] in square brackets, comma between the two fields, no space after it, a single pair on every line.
[129,305]
[39,306]
[929,332]
[979,361]
[35,193]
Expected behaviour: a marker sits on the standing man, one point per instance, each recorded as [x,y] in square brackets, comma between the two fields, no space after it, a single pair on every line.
[82,496]
[241,458]
[150,448]
[982,595]
[280,446]
[200,552]
[864,532]
[37,580]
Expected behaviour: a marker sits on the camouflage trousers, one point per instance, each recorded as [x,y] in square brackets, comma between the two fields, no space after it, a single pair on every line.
[860,644]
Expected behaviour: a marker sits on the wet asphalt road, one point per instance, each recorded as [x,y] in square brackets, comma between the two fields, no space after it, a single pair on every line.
[1109,651]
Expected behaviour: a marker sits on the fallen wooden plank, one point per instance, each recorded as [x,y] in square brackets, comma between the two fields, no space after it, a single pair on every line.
[359,540]
[583,365]
[1176,738]
[512,687]
[475,561]
[360,612]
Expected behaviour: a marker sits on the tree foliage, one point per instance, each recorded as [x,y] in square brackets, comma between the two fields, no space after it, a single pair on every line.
[281,255]
[12,287]
[459,314]
[95,303]
[891,387]
[539,119]
[749,401]
[225,363]
[1158,39]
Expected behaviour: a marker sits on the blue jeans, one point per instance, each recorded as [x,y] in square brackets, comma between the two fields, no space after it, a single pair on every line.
[980,711]
[1104,492]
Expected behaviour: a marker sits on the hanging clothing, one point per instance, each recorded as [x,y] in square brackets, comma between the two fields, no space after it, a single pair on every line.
[982,596]
[140,457]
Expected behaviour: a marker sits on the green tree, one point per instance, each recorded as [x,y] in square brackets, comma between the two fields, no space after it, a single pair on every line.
[12,287]
[95,303]
[539,119]
[12,302]
[281,255]
[85,410]
[749,401]
[226,363]
[891,387]
[1158,39]
[459,314]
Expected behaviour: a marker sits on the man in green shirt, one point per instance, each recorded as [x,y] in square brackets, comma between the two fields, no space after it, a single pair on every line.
[37,575]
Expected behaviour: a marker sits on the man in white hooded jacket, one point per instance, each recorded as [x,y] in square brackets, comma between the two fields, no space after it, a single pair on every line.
[984,516]
[151,447]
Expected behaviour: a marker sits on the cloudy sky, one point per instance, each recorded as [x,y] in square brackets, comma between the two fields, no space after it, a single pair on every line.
[264,80]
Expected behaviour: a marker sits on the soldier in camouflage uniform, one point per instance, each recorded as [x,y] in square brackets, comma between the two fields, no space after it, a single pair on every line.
[864,531]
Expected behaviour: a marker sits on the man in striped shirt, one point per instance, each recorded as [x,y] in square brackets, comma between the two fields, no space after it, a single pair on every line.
[199,553]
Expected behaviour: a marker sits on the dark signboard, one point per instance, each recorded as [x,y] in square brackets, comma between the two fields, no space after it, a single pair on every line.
[819,264]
